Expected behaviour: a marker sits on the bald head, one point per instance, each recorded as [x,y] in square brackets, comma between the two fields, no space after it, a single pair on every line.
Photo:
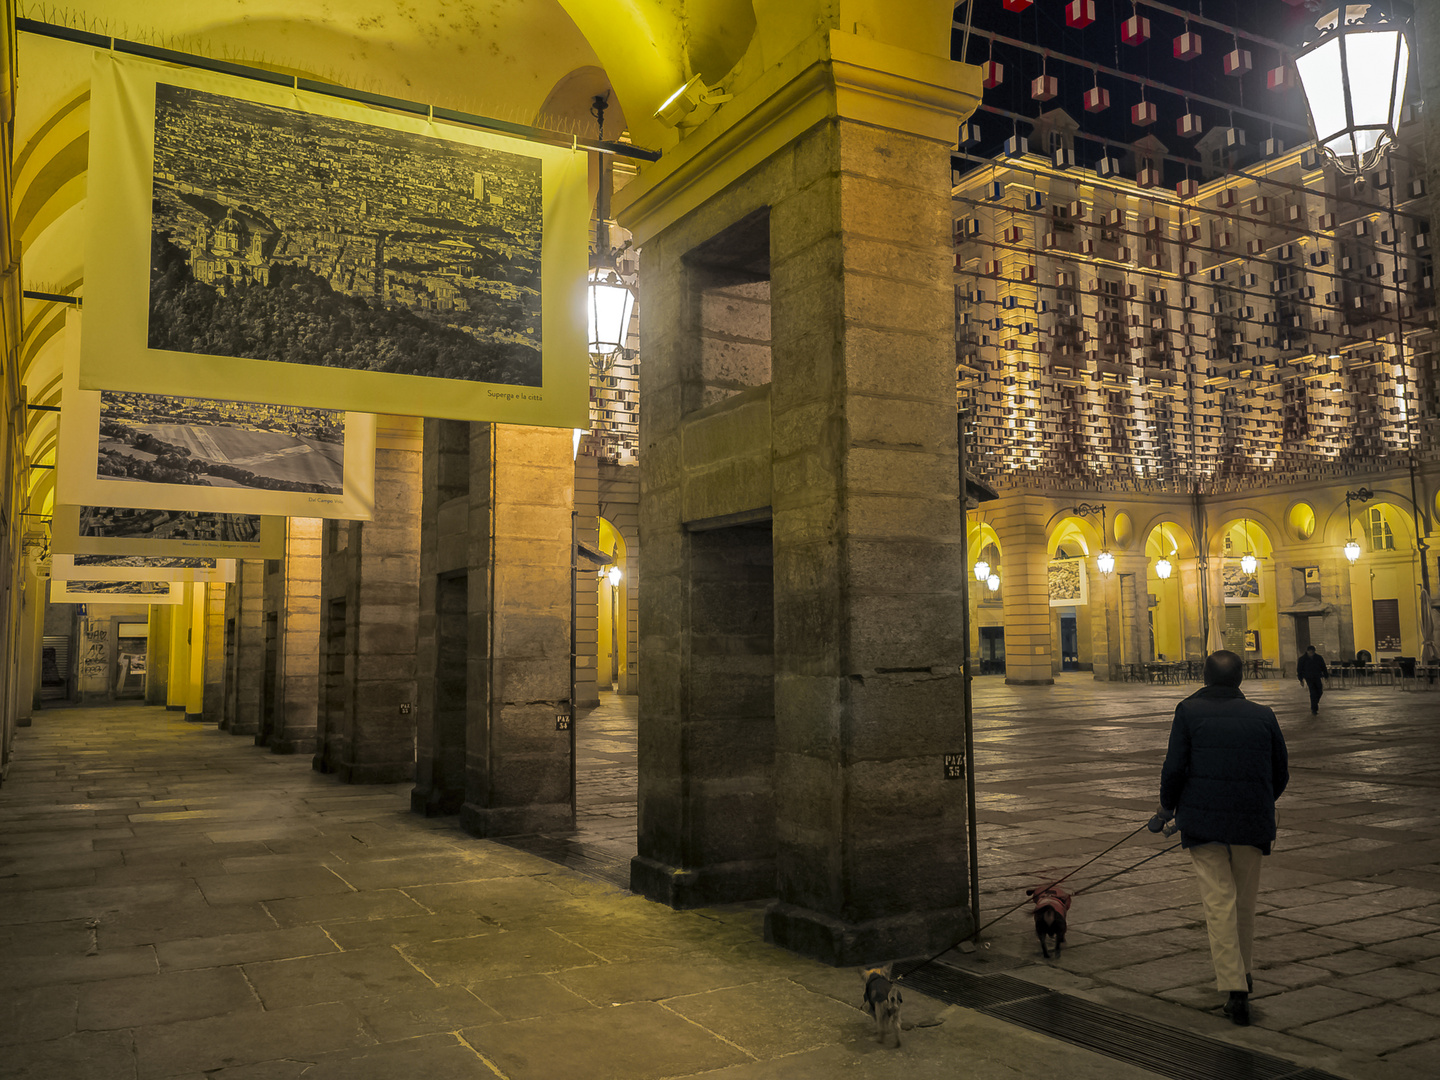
[1224,668]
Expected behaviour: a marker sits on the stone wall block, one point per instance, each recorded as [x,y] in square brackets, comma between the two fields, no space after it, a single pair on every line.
[899,305]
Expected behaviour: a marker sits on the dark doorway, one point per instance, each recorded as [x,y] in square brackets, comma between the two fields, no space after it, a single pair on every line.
[992,650]
[1302,633]
[1069,644]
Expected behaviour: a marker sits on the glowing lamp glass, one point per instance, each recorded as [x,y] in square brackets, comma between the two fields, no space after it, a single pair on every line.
[1352,550]
[982,569]
[614,575]
[993,582]
[1248,563]
[1105,562]
[1163,568]
[609,304]
[1354,83]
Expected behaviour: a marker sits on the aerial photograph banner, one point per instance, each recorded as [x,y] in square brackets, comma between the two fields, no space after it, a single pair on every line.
[141,568]
[160,451]
[254,241]
[128,530]
[115,592]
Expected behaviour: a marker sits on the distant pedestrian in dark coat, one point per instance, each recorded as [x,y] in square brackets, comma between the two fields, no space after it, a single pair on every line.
[1311,669]
[1225,767]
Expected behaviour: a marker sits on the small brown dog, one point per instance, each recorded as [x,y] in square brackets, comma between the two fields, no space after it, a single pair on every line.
[1052,903]
[882,1001]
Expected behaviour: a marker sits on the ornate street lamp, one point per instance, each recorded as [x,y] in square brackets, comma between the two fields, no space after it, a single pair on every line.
[1353,75]
[1163,568]
[1104,562]
[1248,561]
[1362,495]
[993,582]
[982,569]
[609,300]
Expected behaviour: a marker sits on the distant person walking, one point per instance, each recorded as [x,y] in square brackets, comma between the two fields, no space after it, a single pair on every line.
[1311,670]
[1224,769]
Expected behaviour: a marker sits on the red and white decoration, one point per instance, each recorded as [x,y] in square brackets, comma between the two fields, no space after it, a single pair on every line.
[1097,99]
[1187,46]
[991,74]
[1135,30]
[1238,62]
[1144,114]
[1044,87]
[1079,13]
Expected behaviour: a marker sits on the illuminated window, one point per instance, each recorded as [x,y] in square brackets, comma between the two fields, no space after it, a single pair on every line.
[1381,538]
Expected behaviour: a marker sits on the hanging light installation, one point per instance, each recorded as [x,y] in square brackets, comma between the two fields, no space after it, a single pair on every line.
[982,569]
[993,582]
[1163,568]
[1248,561]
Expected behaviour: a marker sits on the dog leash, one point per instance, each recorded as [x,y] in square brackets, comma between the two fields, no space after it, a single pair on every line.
[1041,888]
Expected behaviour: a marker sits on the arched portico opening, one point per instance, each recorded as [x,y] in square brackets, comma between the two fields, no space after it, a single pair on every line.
[1244,590]
[1171,568]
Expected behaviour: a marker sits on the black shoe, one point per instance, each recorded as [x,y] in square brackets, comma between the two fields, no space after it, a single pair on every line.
[1238,1008]
[1314,712]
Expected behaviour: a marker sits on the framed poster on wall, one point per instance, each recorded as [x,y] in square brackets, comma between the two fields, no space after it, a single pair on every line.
[1067,582]
[116,592]
[262,242]
[159,451]
[128,530]
[141,568]
[1238,587]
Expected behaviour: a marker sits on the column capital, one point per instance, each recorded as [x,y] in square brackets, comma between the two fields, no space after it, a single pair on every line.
[827,76]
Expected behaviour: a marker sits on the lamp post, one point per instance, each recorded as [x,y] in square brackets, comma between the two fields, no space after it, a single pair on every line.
[1352,547]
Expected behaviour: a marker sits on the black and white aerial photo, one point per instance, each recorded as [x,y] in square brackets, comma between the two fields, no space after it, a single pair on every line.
[286,236]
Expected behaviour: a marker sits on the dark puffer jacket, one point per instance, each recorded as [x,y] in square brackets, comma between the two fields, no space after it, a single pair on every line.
[1226,766]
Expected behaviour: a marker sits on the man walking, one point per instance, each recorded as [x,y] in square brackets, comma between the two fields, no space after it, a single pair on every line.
[1311,669]
[1225,767]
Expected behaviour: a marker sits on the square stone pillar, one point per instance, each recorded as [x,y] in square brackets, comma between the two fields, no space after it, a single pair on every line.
[847,223]
[1020,522]
[370,582]
[519,762]
[245,649]
[442,644]
[157,654]
[292,647]
[213,707]
[587,613]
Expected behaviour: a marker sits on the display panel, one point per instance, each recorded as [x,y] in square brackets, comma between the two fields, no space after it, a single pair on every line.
[141,568]
[128,530]
[160,451]
[254,241]
[116,592]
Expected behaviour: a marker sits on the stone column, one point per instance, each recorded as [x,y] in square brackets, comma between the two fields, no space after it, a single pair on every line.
[157,654]
[1019,521]
[370,586]
[518,761]
[178,669]
[1104,620]
[213,710]
[848,217]
[292,614]
[197,647]
[442,647]
[245,677]
[587,613]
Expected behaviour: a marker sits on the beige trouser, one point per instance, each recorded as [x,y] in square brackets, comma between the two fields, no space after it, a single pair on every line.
[1229,876]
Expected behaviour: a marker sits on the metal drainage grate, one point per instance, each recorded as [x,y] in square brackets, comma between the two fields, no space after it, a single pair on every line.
[1179,1055]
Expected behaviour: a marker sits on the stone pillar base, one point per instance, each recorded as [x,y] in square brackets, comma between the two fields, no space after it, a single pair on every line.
[433,803]
[841,944]
[722,883]
[194,718]
[516,820]
[388,772]
[293,746]
[1029,682]
[175,708]
[320,765]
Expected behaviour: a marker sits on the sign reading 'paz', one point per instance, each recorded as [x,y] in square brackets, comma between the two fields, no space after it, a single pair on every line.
[256,242]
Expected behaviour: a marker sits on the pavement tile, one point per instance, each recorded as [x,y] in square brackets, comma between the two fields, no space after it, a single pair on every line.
[1375,930]
[163,998]
[225,949]
[522,997]
[272,885]
[1376,1031]
[106,964]
[775,1017]
[1391,984]
[343,907]
[86,1055]
[38,1014]
[1353,961]
[400,872]
[518,952]
[166,1050]
[337,977]
[639,1041]
[413,1013]
[436,1057]
[1289,1012]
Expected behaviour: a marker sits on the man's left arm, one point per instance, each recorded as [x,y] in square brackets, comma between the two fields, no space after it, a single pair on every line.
[1279,759]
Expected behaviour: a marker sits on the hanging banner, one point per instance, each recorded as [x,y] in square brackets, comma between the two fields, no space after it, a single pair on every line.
[116,592]
[127,530]
[119,448]
[141,568]
[254,241]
